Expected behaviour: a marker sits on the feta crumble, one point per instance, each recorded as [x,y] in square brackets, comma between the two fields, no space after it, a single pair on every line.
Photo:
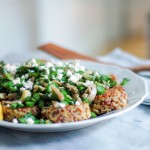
[22,89]
[15,121]
[73,78]
[82,68]
[59,64]
[88,83]
[33,63]
[30,121]
[28,85]
[59,76]
[62,105]
[8,105]
[48,65]
[57,104]
[16,81]
[77,103]
[60,71]
[11,68]
[69,73]
[41,67]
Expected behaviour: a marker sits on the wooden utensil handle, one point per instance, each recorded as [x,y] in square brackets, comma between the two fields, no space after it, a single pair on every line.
[64,53]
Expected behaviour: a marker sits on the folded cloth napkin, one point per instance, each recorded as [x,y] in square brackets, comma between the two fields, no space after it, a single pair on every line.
[128,60]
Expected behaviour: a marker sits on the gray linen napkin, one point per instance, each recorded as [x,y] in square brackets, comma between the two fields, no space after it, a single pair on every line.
[127,60]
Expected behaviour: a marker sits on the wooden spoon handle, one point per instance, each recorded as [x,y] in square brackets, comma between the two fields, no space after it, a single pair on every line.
[64,53]
[140,68]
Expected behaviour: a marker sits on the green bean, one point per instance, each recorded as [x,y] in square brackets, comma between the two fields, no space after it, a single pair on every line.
[41,103]
[13,106]
[22,120]
[36,121]
[27,98]
[48,88]
[100,89]
[20,105]
[125,81]
[29,104]
[36,96]
[93,115]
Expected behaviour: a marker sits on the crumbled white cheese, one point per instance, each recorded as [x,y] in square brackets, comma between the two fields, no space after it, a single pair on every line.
[11,68]
[8,105]
[48,65]
[60,71]
[77,63]
[53,69]
[57,104]
[53,77]
[82,68]
[30,121]
[73,78]
[96,73]
[88,83]
[59,76]
[62,105]
[41,67]
[15,121]
[33,62]
[71,66]
[77,103]
[59,64]
[19,102]
[76,69]
[28,85]
[79,76]
[22,77]
[16,81]
[26,76]
[69,73]
[22,89]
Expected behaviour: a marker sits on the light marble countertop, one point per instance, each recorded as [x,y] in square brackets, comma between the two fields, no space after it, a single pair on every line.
[130,131]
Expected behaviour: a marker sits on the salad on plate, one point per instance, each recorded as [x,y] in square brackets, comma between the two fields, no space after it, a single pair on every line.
[45,92]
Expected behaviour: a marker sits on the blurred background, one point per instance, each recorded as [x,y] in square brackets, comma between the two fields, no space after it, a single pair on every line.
[92,27]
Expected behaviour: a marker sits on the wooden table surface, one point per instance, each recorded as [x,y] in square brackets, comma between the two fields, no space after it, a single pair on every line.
[136,45]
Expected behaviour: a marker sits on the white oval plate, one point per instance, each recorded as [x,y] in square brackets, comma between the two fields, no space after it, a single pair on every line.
[136,90]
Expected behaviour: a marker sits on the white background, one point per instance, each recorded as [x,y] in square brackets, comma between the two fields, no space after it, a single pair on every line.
[86,26]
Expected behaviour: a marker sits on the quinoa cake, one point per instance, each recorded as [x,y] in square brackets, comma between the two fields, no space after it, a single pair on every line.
[70,113]
[113,99]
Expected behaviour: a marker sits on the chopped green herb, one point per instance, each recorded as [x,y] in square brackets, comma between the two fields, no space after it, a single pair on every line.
[125,81]
[93,115]
[13,106]
[29,104]
[100,89]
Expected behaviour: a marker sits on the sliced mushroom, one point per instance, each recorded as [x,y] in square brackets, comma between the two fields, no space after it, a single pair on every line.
[72,88]
[41,88]
[25,94]
[58,93]
[11,96]
[43,83]
[55,104]
[35,88]
[57,82]
[32,79]
[11,102]
[90,92]
[77,97]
